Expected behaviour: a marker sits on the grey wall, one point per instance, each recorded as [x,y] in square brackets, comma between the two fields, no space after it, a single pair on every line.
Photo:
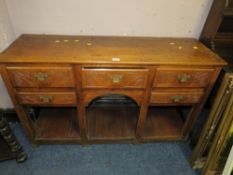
[7,35]
[176,18]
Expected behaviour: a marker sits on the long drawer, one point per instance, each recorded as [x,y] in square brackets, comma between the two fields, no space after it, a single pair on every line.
[41,76]
[114,78]
[47,98]
[182,77]
[176,97]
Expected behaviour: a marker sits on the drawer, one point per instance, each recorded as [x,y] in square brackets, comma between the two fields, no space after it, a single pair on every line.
[47,98]
[41,76]
[114,78]
[176,96]
[182,77]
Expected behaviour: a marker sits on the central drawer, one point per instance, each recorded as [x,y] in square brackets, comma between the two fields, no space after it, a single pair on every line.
[114,78]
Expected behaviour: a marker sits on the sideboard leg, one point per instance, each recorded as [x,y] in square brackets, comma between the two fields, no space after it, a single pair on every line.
[196,109]
[144,106]
[23,116]
[141,123]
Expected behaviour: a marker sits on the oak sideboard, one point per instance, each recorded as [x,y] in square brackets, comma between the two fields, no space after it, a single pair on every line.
[60,78]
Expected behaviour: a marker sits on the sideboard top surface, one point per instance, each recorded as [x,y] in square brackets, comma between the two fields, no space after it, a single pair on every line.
[107,50]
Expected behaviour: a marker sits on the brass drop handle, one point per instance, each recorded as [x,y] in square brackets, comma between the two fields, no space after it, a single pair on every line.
[46,98]
[177,98]
[116,78]
[41,76]
[184,78]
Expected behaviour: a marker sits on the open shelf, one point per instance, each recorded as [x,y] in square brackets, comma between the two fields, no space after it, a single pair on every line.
[111,123]
[163,124]
[228,12]
[108,124]
[224,38]
[57,125]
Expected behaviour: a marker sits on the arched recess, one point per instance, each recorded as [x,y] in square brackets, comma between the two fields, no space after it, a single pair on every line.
[135,96]
[113,119]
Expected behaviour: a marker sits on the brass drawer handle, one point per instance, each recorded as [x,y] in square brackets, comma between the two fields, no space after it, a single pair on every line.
[41,76]
[116,78]
[177,98]
[46,99]
[184,78]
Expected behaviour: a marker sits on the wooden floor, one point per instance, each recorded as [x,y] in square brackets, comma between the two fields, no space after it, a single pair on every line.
[57,125]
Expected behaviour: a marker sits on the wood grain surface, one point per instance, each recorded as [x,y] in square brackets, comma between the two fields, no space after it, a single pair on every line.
[99,49]
[55,73]
[53,76]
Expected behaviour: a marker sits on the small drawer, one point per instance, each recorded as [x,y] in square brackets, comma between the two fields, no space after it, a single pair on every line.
[41,76]
[114,78]
[183,77]
[47,98]
[176,97]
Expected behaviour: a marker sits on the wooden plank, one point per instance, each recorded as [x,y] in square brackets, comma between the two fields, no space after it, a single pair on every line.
[126,50]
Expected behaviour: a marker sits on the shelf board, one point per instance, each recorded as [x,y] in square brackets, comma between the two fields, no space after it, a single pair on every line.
[163,124]
[107,124]
[57,125]
[111,124]
[228,12]
[224,38]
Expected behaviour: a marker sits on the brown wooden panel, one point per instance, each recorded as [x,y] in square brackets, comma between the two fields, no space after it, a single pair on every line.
[111,123]
[57,125]
[176,97]
[90,95]
[182,77]
[115,78]
[47,98]
[163,124]
[130,50]
[41,76]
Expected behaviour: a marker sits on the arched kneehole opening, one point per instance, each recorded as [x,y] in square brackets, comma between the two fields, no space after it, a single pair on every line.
[112,117]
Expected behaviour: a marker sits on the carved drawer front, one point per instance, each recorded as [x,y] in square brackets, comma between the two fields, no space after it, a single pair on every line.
[183,77]
[176,97]
[41,76]
[47,98]
[114,78]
